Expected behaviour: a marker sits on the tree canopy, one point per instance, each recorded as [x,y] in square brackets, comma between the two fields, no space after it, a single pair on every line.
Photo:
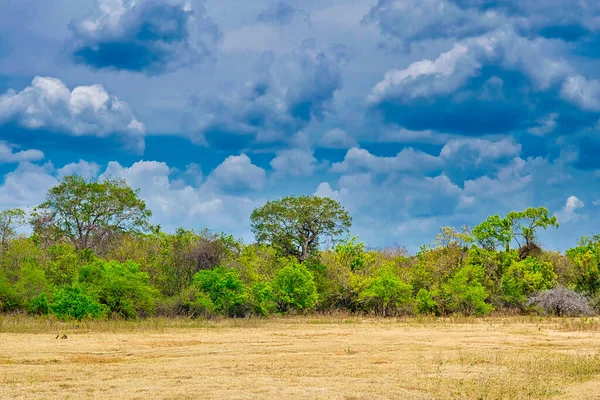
[295,225]
[87,213]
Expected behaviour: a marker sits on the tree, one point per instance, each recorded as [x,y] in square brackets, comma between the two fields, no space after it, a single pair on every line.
[525,223]
[10,220]
[295,225]
[88,213]
[493,232]
[294,288]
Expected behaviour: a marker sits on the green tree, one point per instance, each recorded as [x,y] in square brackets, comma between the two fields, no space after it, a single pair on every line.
[76,303]
[121,286]
[10,221]
[225,289]
[295,225]
[88,213]
[294,288]
[586,260]
[386,293]
[493,232]
[526,277]
[465,293]
[526,223]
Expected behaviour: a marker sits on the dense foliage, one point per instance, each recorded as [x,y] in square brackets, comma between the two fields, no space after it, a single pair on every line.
[92,254]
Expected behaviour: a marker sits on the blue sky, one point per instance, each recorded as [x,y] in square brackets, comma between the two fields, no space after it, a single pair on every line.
[414,114]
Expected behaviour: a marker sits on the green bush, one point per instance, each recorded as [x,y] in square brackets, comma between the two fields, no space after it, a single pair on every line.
[225,290]
[524,278]
[63,264]
[76,303]
[39,305]
[9,298]
[465,293]
[294,289]
[425,303]
[386,294]
[121,286]
[32,283]
[263,301]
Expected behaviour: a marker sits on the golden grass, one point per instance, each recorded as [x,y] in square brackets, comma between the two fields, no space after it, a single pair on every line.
[318,357]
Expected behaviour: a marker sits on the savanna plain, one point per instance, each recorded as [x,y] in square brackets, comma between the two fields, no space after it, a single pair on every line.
[315,357]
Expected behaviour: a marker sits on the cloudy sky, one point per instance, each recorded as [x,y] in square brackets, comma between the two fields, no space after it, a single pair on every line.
[412,113]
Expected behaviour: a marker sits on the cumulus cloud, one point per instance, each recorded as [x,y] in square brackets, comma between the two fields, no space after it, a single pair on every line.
[237,174]
[583,92]
[84,111]
[151,36]
[85,169]
[288,92]
[415,20]
[477,151]
[26,186]
[489,84]
[294,162]
[570,211]
[360,160]
[280,13]
[8,154]
[410,21]
[337,139]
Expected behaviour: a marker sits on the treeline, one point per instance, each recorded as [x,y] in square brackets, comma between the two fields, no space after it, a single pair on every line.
[92,254]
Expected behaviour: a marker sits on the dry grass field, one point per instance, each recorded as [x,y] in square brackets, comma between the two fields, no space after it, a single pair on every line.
[336,357]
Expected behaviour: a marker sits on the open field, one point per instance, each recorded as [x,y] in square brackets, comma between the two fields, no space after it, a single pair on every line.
[315,357]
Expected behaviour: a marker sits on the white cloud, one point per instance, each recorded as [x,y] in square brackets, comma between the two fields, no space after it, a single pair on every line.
[87,170]
[409,159]
[237,173]
[337,139]
[8,155]
[570,211]
[482,149]
[294,162]
[26,186]
[85,111]
[582,91]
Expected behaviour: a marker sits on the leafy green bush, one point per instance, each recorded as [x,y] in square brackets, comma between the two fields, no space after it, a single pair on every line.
[386,294]
[465,293]
[225,290]
[39,305]
[263,302]
[524,278]
[9,298]
[425,303]
[32,283]
[121,286]
[63,264]
[294,288]
[76,303]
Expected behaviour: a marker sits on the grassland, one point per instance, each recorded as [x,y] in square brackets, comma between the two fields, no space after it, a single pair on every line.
[335,357]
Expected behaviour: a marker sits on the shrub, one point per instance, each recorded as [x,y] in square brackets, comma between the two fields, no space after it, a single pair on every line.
[121,286]
[76,303]
[386,293]
[9,299]
[561,301]
[32,283]
[39,305]
[263,302]
[294,288]
[425,303]
[225,290]
[465,293]
[524,278]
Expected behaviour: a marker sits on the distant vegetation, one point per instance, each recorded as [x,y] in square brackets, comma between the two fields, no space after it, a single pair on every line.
[93,254]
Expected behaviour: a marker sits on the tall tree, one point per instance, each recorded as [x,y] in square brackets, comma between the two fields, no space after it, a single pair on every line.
[10,220]
[295,225]
[88,213]
[526,223]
